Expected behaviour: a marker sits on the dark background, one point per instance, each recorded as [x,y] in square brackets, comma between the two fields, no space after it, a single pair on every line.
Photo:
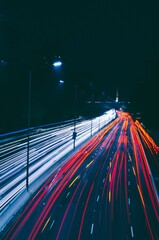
[104,45]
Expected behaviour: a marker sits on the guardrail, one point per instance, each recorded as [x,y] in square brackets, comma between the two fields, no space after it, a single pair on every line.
[47,146]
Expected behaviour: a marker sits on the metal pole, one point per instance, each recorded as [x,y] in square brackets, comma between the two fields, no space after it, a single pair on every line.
[74,139]
[91,127]
[28,140]
[75,111]
[91,116]
[99,124]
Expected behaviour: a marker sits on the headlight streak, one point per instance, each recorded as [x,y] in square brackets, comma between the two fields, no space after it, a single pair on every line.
[129,159]
[76,161]
[43,155]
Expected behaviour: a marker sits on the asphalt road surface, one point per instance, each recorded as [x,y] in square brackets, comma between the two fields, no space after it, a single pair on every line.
[105,191]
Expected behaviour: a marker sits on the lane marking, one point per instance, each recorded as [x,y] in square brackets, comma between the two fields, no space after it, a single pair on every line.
[98,198]
[129,201]
[132,232]
[110,177]
[130,157]
[128,183]
[73,181]
[134,170]
[52,224]
[46,224]
[67,194]
[89,163]
[109,195]
[103,180]
[92,228]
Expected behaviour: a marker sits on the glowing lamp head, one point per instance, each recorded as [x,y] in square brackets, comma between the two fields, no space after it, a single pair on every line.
[57,64]
[61,81]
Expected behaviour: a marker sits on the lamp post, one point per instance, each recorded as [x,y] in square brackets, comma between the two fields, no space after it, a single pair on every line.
[99,124]
[28,139]
[75,112]
[55,64]
[91,126]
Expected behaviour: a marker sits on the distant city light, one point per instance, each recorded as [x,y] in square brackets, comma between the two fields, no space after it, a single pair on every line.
[57,64]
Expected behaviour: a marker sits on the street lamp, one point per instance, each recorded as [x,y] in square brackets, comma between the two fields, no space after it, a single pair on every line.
[75,112]
[61,81]
[28,140]
[55,64]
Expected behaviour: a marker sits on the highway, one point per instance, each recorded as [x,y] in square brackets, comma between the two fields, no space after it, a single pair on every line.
[104,191]
[46,147]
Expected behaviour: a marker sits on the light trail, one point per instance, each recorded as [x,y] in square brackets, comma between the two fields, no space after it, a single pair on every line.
[46,148]
[105,191]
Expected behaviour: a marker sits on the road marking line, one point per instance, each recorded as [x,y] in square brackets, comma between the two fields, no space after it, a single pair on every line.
[109,177]
[130,157]
[98,198]
[128,183]
[67,194]
[73,181]
[109,195]
[134,170]
[92,228]
[52,224]
[89,163]
[129,201]
[103,180]
[46,224]
[132,232]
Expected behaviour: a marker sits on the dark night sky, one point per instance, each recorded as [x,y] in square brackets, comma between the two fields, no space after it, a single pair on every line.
[113,44]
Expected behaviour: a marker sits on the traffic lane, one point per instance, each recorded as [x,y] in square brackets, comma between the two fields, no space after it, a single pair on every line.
[38,153]
[145,185]
[62,214]
[90,214]
[115,228]
[89,178]
[76,217]
[139,228]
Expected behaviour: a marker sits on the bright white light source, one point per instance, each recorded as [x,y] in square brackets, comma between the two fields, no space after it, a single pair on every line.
[57,64]
[61,81]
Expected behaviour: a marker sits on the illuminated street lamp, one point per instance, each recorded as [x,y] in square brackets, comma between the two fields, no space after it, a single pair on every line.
[61,81]
[57,64]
